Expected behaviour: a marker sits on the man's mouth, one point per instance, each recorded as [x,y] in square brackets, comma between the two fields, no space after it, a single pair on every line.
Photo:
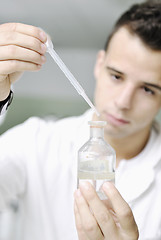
[115,120]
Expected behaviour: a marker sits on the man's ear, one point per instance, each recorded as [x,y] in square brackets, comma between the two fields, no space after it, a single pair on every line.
[99,62]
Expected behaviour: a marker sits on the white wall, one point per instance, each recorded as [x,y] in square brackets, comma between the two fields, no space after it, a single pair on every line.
[50,80]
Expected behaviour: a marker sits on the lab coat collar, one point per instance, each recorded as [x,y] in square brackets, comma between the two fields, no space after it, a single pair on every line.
[135,176]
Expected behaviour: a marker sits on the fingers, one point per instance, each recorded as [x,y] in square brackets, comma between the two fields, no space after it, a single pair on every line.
[113,220]
[85,221]
[22,40]
[23,35]
[12,66]
[102,214]
[122,210]
[18,53]
[24,29]
[81,233]
[22,48]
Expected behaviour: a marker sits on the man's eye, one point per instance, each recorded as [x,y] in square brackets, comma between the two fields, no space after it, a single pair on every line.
[148,90]
[115,77]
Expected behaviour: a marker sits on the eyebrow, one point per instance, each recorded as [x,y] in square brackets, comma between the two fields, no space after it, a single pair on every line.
[146,83]
[114,70]
[153,85]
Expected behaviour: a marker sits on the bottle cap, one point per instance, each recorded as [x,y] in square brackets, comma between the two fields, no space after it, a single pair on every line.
[97,123]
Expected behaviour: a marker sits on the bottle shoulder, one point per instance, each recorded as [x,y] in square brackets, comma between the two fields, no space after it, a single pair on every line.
[98,145]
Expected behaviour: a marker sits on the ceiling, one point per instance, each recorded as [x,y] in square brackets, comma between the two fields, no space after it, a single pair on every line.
[71,23]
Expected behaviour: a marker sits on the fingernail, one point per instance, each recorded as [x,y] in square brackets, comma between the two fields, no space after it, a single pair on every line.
[43,48]
[43,59]
[39,66]
[42,36]
[78,193]
[106,185]
[84,185]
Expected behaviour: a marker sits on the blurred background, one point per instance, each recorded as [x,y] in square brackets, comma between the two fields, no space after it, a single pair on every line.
[78,29]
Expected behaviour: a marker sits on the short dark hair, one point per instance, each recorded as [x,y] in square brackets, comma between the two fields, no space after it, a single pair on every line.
[143,20]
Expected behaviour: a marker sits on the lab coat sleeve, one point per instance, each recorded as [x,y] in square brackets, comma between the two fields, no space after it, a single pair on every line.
[14,149]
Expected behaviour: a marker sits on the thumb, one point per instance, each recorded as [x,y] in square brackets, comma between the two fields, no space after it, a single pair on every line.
[15,76]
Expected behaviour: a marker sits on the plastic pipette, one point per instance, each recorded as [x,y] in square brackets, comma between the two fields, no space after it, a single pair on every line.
[68,74]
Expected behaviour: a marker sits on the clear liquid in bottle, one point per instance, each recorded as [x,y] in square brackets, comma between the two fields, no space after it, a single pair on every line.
[96,159]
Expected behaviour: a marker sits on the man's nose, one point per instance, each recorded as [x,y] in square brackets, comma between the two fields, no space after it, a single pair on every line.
[125,97]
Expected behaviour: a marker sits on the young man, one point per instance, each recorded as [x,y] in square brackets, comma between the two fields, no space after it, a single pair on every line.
[38,160]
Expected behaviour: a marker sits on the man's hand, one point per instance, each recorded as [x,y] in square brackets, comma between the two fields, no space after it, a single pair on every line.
[22,49]
[110,219]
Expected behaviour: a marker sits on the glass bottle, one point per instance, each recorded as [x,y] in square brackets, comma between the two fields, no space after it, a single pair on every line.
[96,159]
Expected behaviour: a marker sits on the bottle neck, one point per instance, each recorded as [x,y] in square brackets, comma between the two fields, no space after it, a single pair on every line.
[96,132]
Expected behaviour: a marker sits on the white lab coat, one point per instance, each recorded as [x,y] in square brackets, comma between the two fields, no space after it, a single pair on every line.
[38,164]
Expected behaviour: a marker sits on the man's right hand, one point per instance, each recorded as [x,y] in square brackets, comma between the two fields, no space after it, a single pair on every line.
[22,49]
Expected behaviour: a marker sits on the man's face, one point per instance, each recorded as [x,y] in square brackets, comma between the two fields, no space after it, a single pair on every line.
[128,85]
